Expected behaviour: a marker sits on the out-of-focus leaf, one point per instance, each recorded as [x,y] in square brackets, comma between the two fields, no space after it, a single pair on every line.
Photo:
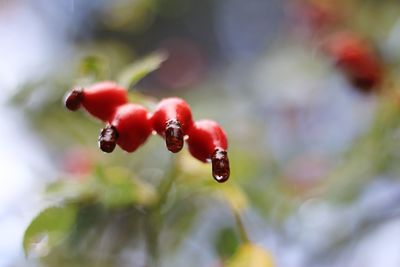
[25,92]
[192,169]
[250,255]
[146,193]
[118,187]
[118,194]
[145,100]
[131,16]
[226,242]
[180,218]
[48,229]
[87,220]
[113,187]
[136,71]
[71,190]
[234,196]
[94,67]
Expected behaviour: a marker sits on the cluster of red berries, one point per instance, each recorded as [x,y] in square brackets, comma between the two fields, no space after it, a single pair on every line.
[129,125]
[357,59]
[351,53]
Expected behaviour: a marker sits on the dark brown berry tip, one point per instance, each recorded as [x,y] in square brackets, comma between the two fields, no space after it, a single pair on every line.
[365,85]
[220,165]
[74,99]
[174,137]
[108,139]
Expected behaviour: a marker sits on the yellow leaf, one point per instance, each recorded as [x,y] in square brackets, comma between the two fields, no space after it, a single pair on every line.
[250,255]
[234,196]
[146,193]
[193,169]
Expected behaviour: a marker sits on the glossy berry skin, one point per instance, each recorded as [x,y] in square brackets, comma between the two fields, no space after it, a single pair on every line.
[100,99]
[357,59]
[172,119]
[132,125]
[204,137]
[207,142]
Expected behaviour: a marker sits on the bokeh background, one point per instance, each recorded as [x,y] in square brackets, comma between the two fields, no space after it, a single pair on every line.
[314,161]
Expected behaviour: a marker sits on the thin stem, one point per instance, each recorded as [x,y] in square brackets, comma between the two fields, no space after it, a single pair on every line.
[242,230]
[151,236]
[165,186]
[154,219]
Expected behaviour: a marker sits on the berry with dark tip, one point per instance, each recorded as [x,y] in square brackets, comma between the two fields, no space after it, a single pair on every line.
[129,125]
[108,139]
[172,119]
[207,142]
[73,100]
[100,99]
[220,165]
[132,125]
[357,59]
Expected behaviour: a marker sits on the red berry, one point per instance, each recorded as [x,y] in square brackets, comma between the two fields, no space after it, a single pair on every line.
[100,100]
[207,142]
[172,119]
[357,59]
[129,128]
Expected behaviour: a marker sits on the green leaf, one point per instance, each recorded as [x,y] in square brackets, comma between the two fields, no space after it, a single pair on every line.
[72,190]
[117,187]
[48,229]
[136,71]
[226,242]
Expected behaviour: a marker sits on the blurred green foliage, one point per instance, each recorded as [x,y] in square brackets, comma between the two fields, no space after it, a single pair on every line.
[113,187]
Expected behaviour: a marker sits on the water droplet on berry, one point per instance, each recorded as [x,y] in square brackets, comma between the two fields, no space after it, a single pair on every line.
[220,165]
[74,99]
[174,136]
[108,139]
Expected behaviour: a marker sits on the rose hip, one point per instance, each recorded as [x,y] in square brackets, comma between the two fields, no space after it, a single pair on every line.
[100,99]
[129,128]
[207,142]
[129,125]
[172,119]
[354,56]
